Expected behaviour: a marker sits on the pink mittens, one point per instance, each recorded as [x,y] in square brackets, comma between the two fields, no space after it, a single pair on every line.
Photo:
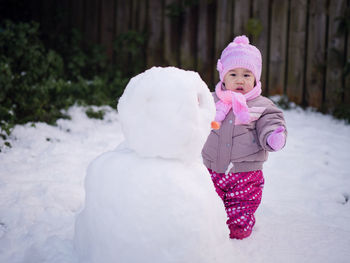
[277,139]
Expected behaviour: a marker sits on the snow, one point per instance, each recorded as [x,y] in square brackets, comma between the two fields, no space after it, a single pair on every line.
[304,215]
[141,204]
[154,185]
[166,112]
[41,184]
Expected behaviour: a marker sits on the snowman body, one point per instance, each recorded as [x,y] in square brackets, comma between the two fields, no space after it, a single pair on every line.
[152,199]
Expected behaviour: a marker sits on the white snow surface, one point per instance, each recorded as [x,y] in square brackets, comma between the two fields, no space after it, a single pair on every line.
[304,215]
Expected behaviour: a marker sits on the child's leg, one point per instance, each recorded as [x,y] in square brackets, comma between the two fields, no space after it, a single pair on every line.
[242,199]
[219,188]
[241,194]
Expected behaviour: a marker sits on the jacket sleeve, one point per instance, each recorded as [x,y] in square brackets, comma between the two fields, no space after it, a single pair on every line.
[270,120]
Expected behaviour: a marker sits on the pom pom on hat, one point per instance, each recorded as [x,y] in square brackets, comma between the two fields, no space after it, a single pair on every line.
[241,40]
[240,54]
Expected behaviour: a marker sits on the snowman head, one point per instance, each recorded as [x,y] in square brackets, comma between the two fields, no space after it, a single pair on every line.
[166,112]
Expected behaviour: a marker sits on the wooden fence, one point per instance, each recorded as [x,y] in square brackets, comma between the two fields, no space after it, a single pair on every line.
[304,53]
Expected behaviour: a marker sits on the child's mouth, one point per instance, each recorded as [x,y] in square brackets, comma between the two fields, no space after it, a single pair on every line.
[239,89]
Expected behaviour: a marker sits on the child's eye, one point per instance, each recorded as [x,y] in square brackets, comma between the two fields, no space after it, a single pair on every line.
[233,74]
[247,75]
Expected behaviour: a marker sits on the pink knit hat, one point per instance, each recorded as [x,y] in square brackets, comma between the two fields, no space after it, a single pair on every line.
[240,54]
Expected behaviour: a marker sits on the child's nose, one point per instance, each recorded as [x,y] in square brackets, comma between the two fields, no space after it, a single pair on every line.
[239,80]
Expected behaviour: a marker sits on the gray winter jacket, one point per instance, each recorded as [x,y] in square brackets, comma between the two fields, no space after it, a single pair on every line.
[244,145]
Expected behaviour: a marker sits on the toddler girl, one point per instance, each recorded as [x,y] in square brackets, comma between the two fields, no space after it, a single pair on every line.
[247,126]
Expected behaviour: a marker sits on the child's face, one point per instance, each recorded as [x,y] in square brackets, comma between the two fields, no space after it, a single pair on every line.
[239,80]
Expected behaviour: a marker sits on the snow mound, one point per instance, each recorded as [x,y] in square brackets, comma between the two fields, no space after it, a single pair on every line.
[166,112]
[152,200]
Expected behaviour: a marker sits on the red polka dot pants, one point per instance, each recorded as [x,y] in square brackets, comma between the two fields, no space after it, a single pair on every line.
[241,194]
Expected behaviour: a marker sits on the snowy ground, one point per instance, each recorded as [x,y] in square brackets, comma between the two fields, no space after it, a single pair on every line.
[304,216]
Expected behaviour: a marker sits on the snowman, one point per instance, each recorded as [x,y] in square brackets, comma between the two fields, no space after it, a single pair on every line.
[152,200]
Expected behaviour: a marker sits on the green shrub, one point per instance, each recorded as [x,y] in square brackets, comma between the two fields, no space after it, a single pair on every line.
[254,27]
[129,48]
[80,59]
[98,114]
[29,75]
[342,111]
[37,83]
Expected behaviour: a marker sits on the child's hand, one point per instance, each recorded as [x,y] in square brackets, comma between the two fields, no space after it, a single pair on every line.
[277,139]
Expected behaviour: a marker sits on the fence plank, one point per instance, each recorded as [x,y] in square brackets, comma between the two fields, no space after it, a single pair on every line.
[107,26]
[123,18]
[141,15]
[46,16]
[260,13]
[141,27]
[211,32]
[296,50]
[34,9]
[63,9]
[172,32]
[223,33]
[134,14]
[78,15]
[241,16]
[316,64]
[347,78]
[335,55]
[138,12]
[154,56]
[188,45]
[92,21]
[205,42]
[278,38]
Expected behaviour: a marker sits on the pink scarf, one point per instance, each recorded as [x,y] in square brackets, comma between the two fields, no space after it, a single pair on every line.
[238,101]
